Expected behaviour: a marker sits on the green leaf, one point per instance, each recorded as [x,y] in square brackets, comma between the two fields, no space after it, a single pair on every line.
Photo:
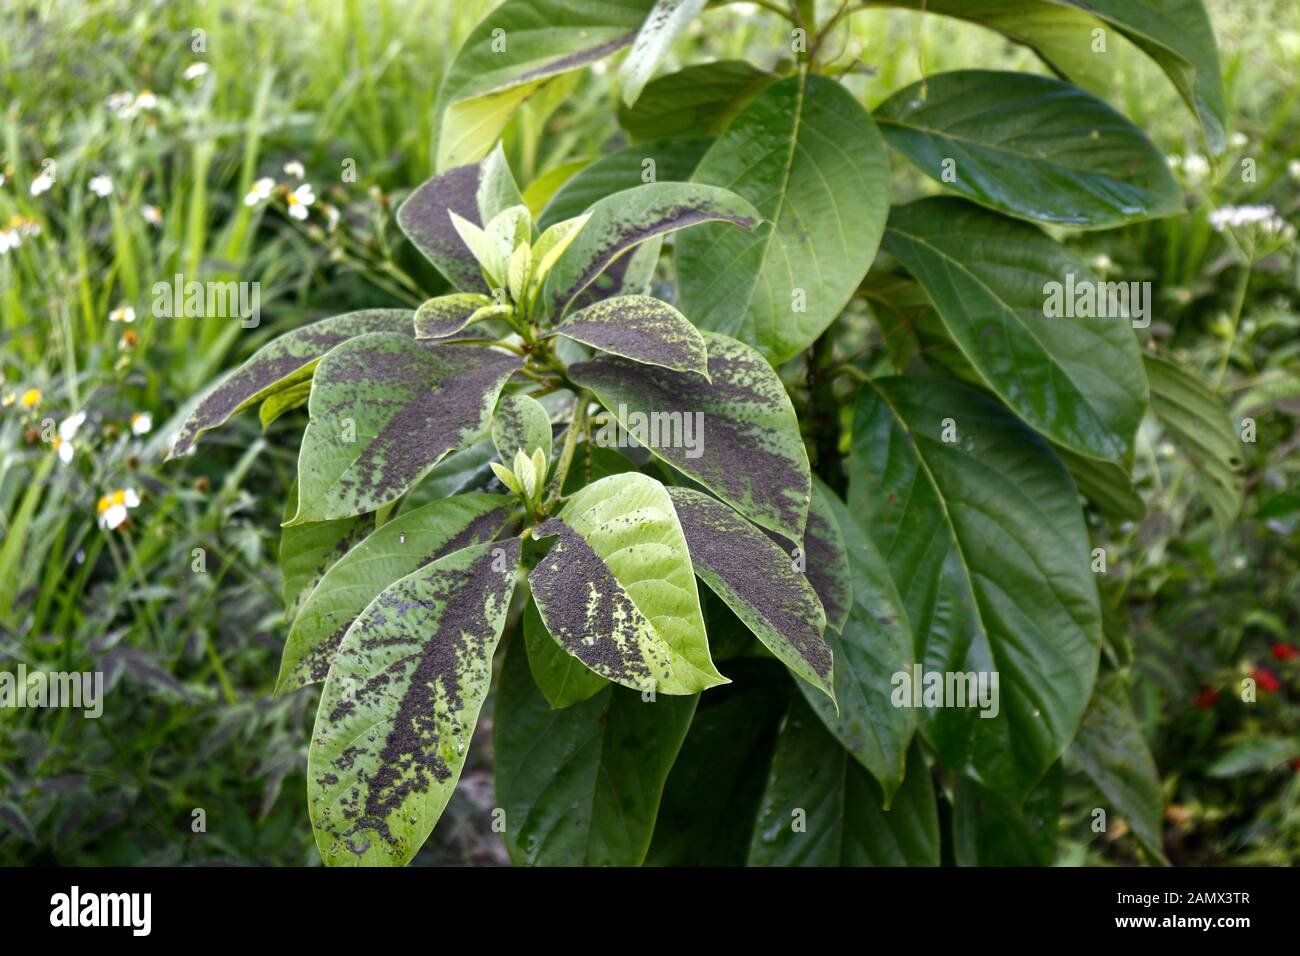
[402,545]
[512,53]
[822,809]
[1195,417]
[743,442]
[283,401]
[876,644]
[706,817]
[581,786]
[280,364]
[1107,485]
[989,831]
[642,328]
[1111,749]
[700,99]
[476,192]
[664,161]
[617,591]
[562,678]
[826,560]
[666,22]
[398,710]
[758,581]
[308,551]
[384,410]
[522,424]
[986,541]
[1254,755]
[1175,33]
[448,314]
[809,158]
[1079,381]
[543,189]
[630,217]
[591,463]
[1031,146]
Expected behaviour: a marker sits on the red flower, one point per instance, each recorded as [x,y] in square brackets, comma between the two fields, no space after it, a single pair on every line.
[1266,679]
[1285,652]
[1207,698]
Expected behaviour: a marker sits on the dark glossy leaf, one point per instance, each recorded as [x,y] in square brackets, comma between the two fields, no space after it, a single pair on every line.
[1195,417]
[1111,749]
[476,192]
[989,831]
[543,39]
[1079,381]
[986,540]
[876,644]
[581,786]
[384,410]
[642,328]
[562,678]
[664,161]
[399,708]
[702,98]
[759,582]
[748,451]
[281,363]
[404,544]
[626,219]
[706,817]
[617,591]
[1107,485]
[809,158]
[821,808]
[1031,146]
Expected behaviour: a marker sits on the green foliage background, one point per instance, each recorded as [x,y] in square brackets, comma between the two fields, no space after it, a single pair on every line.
[192,658]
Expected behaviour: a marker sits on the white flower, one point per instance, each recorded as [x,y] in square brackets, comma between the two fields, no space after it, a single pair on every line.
[299,200]
[112,508]
[42,183]
[261,190]
[8,240]
[123,313]
[294,168]
[195,71]
[1226,217]
[1293,169]
[1196,167]
[145,101]
[1237,140]
[141,423]
[68,427]
[2,179]
[101,186]
[331,216]
[152,215]
[119,103]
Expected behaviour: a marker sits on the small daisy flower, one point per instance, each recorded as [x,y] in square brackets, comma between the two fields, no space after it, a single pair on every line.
[123,313]
[9,399]
[141,423]
[101,186]
[1293,169]
[195,71]
[331,216]
[1255,231]
[299,200]
[152,215]
[146,101]
[294,168]
[67,431]
[2,179]
[42,183]
[113,508]
[31,398]
[1196,168]
[261,190]
[8,240]
[119,103]
[1237,140]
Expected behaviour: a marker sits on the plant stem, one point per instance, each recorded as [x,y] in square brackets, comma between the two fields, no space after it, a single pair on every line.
[577,424]
[1239,300]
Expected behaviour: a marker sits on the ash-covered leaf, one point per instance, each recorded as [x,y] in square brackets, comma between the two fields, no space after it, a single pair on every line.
[279,364]
[641,328]
[521,423]
[562,678]
[384,410]
[627,218]
[399,708]
[476,192]
[448,314]
[402,545]
[826,559]
[759,582]
[617,591]
[308,551]
[737,434]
